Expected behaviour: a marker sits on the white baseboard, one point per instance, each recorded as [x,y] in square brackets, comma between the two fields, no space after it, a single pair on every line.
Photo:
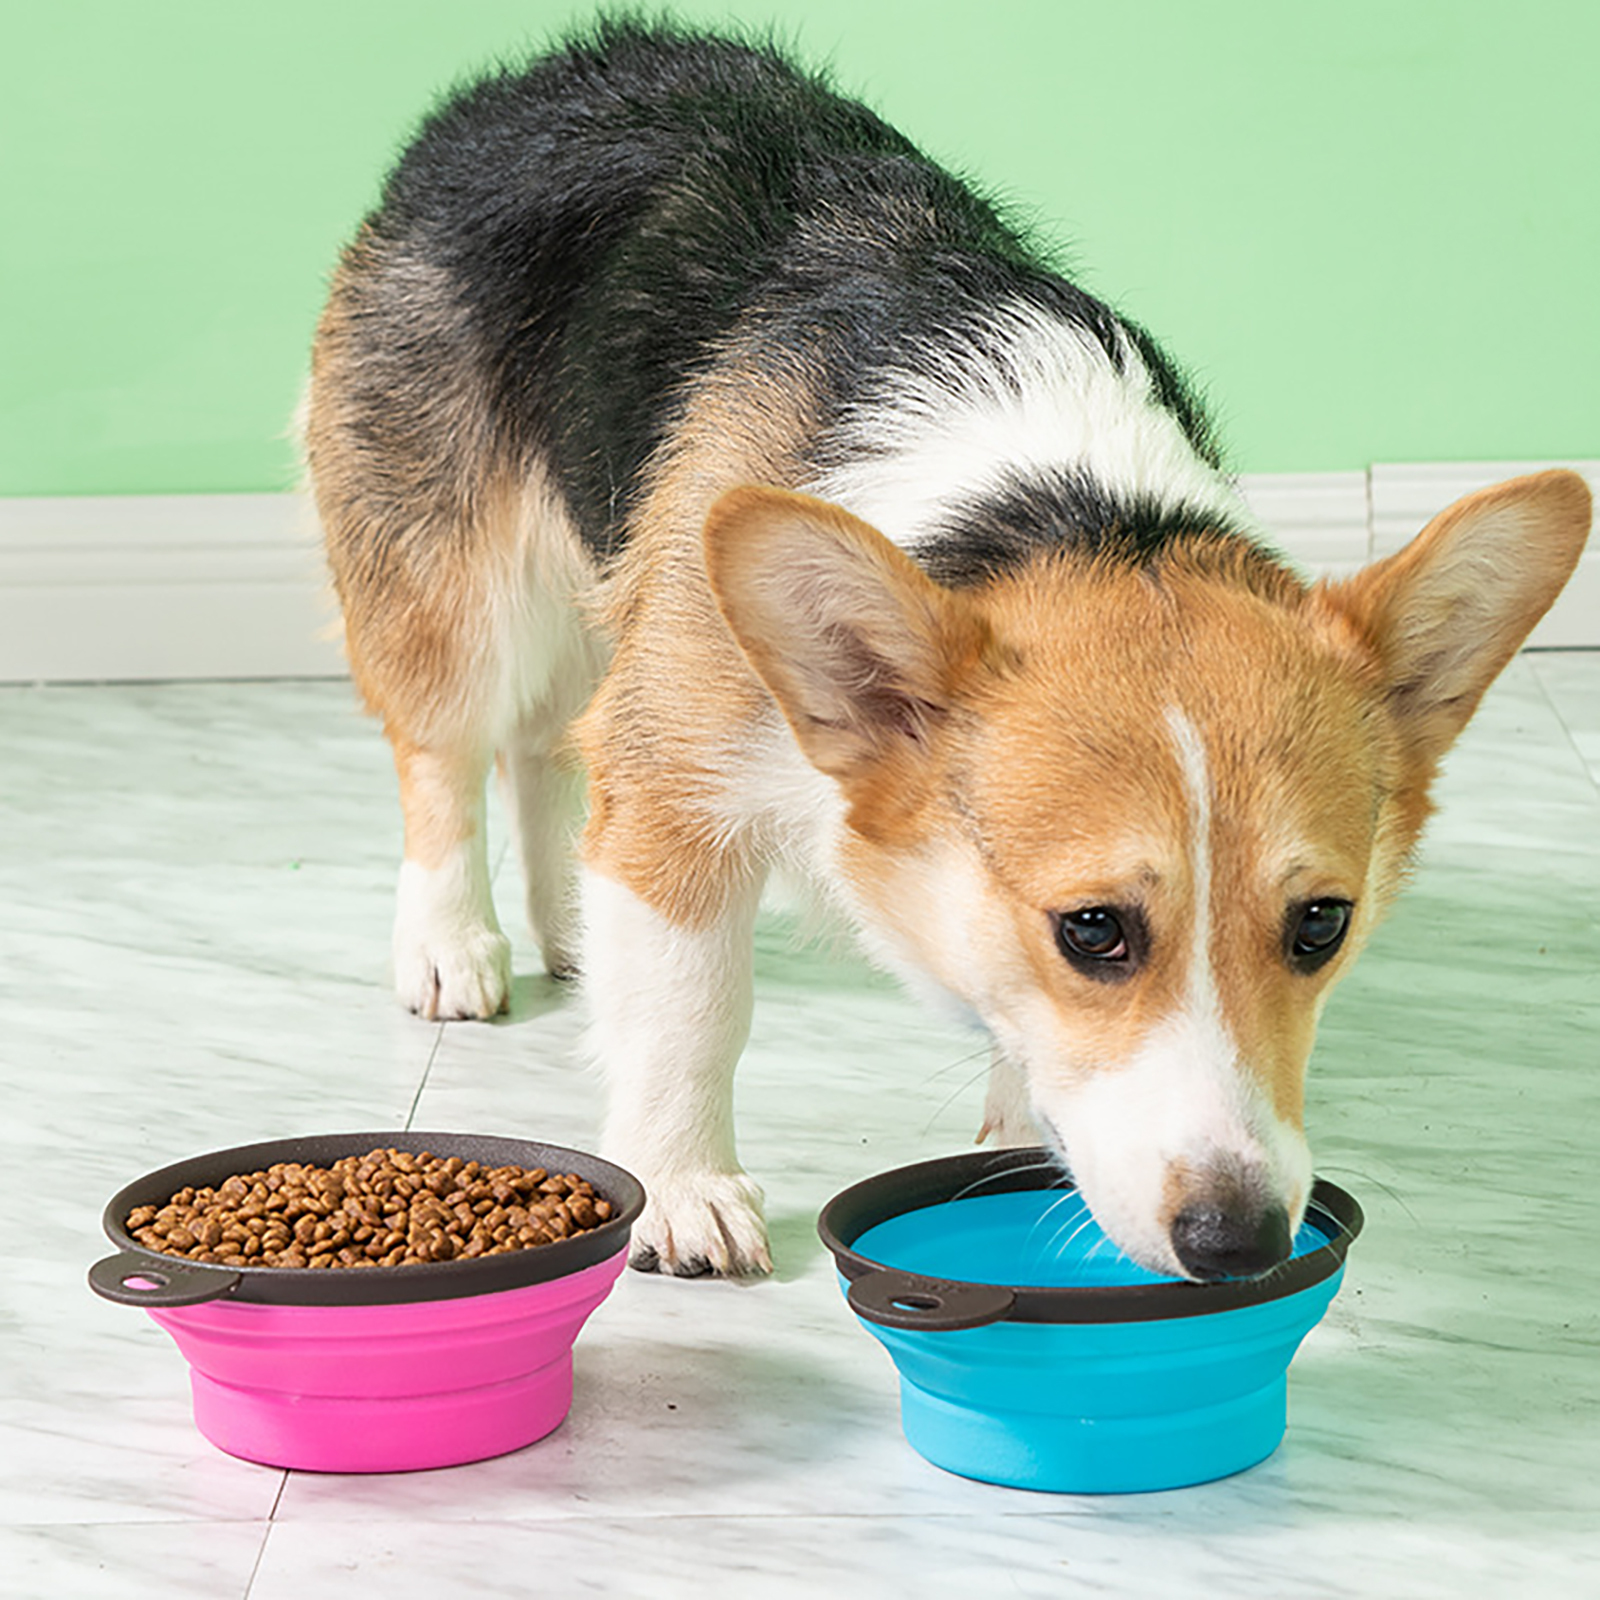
[164,586]
[232,585]
[1320,520]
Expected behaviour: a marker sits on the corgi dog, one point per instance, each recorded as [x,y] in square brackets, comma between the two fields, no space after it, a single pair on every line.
[688,445]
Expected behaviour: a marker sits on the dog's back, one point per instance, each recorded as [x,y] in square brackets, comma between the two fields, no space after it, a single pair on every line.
[563,250]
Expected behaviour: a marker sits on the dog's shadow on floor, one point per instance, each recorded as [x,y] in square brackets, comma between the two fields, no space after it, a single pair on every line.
[534,996]
[795,1242]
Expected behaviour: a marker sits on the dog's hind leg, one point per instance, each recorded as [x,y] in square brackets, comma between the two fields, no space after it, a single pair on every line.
[525,664]
[489,657]
[422,654]
[450,958]
[423,651]
[424,520]
[555,657]
[542,786]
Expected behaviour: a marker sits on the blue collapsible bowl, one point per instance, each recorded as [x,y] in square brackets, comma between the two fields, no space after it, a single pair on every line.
[1033,1353]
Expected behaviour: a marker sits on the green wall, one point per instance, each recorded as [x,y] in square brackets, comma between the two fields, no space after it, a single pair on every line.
[1370,229]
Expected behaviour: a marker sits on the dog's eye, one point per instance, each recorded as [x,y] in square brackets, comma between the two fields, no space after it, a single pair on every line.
[1317,931]
[1094,934]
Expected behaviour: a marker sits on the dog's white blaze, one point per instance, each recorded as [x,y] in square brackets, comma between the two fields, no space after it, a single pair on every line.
[1248,1129]
[1030,395]
[1203,1001]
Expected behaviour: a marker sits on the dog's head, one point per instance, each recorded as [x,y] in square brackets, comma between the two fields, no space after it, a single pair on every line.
[1140,815]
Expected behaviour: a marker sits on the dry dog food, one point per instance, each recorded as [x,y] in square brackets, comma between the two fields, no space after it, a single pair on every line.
[388,1208]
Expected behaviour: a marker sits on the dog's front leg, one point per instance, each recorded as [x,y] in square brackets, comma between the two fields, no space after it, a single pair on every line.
[670,1006]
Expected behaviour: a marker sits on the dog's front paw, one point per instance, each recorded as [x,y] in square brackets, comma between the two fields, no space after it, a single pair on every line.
[698,1223]
[451,961]
[468,975]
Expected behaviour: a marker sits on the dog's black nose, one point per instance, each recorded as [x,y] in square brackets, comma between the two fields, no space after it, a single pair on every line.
[1212,1243]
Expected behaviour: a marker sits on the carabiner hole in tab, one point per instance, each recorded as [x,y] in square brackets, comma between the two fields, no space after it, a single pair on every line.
[131,1280]
[894,1299]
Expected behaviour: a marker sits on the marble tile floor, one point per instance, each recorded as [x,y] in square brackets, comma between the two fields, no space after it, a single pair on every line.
[194,905]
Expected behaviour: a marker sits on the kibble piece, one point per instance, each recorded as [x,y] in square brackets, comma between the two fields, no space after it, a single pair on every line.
[385,1208]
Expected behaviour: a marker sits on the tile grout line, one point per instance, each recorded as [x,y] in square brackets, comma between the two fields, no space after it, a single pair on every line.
[422,1083]
[1555,710]
[438,1029]
[266,1534]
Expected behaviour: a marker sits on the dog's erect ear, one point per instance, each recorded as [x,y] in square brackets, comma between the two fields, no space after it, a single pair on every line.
[860,648]
[1448,612]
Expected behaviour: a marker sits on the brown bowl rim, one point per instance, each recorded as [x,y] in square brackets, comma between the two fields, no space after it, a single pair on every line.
[183,1282]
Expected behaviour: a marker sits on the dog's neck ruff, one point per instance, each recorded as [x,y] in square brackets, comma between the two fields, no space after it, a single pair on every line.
[1026,431]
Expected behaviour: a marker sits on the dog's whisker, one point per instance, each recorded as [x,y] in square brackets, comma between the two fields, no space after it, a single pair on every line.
[961,1061]
[1277,1270]
[1001,1170]
[951,1098]
[1377,1183]
[1062,1235]
[1064,1199]
[1060,1245]
[1102,1244]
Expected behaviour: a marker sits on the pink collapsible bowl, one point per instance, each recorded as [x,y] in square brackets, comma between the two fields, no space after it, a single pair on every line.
[382,1369]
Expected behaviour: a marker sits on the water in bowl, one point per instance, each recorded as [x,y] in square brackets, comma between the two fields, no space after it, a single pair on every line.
[1032,1238]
